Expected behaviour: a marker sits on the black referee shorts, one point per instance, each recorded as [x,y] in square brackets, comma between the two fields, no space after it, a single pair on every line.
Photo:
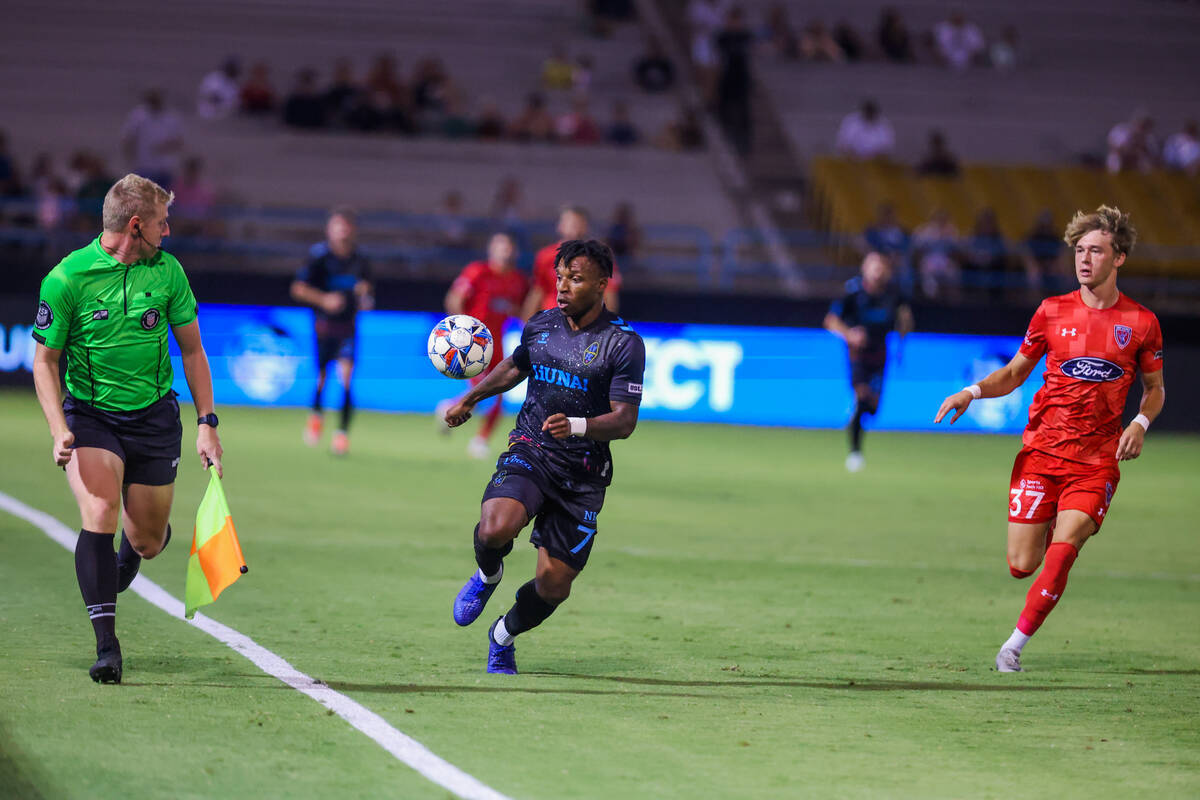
[146,439]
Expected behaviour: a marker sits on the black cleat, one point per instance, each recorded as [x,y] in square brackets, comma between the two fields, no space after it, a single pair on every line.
[107,668]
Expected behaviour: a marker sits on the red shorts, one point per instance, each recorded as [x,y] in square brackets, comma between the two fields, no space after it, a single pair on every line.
[1042,485]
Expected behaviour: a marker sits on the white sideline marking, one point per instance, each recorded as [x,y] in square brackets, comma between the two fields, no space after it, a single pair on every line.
[404,748]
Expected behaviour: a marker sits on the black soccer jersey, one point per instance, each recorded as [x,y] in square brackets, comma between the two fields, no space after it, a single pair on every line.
[876,313]
[327,272]
[576,373]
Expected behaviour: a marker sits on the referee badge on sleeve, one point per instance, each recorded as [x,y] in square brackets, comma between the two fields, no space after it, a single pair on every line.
[45,316]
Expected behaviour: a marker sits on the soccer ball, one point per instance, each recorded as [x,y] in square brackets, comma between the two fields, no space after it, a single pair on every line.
[460,346]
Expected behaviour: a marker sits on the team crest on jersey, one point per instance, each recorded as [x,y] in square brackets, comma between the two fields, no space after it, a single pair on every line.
[590,354]
[150,318]
[1123,334]
[500,476]
[1108,493]
[45,316]
[543,336]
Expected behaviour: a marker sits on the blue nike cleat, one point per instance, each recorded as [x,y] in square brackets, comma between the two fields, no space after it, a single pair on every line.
[502,659]
[471,599]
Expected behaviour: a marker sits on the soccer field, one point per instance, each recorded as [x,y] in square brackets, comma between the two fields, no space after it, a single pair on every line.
[754,623]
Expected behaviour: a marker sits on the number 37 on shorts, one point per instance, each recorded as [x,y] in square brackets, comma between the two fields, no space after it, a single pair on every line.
[1042,485]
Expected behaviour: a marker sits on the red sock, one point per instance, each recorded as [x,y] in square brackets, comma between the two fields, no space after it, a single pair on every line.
[1048,587]
[493,416]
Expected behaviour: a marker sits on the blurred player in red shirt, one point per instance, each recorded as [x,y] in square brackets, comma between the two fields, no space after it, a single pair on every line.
[543,294]
[491,291]
[1065,476]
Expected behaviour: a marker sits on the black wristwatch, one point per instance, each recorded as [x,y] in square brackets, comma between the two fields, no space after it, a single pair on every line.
[208,419]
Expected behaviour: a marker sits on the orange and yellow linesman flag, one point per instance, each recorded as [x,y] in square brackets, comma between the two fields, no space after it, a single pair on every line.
[216,559]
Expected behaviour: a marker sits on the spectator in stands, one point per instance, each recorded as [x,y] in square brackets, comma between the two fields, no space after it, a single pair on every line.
[217,96]
[305,106]
[55,206]
[1132,145]
[734,81]
[581,75]
[681,134]
[1182,150]
[1003,52]
[778,34]
[938,161]
[451,222]
[866,133]
[557,71]
[257,95]
[384,78]
[624,236]
[534,123]
[653,71]
[935,249]
[10,175]
[848,40]
[452,121]
[816,44]
[959,43]
[893,37]
[1046,269]
[985,256]
[621,131]
[508,208]
[491,125]
[152,139]
[94,183]
[344,94]
[195,206]
[431,87]
[389,97]
[578,126]
[705,18]
[887,236]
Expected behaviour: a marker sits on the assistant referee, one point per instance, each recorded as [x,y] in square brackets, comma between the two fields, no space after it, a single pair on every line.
[117,432]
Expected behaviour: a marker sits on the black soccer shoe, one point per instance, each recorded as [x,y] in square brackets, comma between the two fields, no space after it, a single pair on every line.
[107,668]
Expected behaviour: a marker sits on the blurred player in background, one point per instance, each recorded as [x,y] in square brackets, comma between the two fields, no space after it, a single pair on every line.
[585,367]
[1066,473]
[543,294]
[871,309]
[336,281]
[117,433]
[491,291]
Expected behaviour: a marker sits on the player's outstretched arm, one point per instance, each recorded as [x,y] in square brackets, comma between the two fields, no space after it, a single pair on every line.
[998,384]
[616,424]
[1153,396]
[854,337]
[49,395]
[503,377]
[199,381]
[329,302]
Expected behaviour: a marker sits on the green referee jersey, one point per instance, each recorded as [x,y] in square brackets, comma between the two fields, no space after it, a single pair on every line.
[112,319]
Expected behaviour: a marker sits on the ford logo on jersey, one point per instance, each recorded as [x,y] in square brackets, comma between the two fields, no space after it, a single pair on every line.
[1086,368]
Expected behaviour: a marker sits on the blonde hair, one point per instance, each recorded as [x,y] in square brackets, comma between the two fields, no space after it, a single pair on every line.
[132,195]
[1108,219]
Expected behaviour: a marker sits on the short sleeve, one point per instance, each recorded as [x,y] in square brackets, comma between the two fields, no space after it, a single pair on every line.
[1034,346]
[312,273]
[1150,355]
[181,310]
[838,307]
[520,354]
[629,360]
[56,306]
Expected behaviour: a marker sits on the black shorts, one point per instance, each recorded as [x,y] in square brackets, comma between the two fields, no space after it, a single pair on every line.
[563,511]
[146,439]
[330,348]
[869,372]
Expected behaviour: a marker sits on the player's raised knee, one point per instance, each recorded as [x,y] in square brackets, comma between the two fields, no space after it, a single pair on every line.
[1022,565]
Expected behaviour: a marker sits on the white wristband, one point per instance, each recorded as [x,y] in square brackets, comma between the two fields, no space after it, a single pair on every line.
[578,425]
[974,389]
[1140,419]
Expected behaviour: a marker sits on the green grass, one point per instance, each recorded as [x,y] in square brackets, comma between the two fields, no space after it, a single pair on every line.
[754,623]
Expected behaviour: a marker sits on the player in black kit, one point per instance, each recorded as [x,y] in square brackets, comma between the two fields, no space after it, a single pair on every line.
[584,366]
[871,308]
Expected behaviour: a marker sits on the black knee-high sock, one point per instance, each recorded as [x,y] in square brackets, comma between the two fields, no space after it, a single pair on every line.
[316,404]
[347,409]
[489,559]
[856,429]
[96,571]
[528,612]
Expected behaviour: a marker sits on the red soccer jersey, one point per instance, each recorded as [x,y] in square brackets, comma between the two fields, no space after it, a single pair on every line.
[491,297]
[1091,358]
[545,278]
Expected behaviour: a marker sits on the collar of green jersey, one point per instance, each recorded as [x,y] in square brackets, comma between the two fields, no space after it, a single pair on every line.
[109,260]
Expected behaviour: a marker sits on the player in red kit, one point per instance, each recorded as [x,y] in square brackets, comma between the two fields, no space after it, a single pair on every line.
[1065,476]
[491,291]
[543,294]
